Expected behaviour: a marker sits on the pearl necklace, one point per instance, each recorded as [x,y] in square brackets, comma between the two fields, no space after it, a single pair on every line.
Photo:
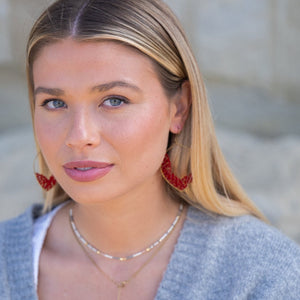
[100,252]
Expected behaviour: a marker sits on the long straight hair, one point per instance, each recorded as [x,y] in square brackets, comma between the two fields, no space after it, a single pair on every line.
[151,27]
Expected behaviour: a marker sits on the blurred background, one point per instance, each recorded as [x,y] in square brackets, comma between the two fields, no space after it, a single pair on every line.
[248,51]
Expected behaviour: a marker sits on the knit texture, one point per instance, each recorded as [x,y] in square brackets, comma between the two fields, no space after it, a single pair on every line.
[214,258]
[231,258]
[16,263]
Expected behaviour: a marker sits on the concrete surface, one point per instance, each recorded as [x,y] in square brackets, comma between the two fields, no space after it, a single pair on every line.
[249,42]
[269,171]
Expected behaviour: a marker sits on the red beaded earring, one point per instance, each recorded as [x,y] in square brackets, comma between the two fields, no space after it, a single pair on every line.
[176,182]
[46,183]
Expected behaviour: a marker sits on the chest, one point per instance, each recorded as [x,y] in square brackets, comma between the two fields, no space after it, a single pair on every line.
[70,279]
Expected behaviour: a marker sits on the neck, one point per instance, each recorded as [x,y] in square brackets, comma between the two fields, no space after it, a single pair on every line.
[123,226]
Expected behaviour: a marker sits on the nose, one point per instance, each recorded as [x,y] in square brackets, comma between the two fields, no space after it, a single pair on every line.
[83,130]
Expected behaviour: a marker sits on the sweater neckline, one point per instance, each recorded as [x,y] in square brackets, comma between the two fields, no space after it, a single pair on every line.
[179,271]
[18,245]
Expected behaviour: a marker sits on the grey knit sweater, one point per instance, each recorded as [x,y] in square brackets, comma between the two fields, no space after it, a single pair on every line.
[215,258]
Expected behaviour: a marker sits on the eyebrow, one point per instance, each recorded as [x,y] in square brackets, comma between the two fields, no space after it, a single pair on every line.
[110,85]
[100,88]
[54,92]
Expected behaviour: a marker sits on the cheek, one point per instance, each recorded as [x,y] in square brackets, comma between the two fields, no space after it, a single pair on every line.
[143,139]
[47,135]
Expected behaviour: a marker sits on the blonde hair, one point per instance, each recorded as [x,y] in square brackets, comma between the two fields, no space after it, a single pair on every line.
[151,27]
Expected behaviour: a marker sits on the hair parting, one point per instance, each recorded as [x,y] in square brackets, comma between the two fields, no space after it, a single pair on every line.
[75,24]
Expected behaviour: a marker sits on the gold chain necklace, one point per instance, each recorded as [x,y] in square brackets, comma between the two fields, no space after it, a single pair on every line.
[148,249]
[122,284]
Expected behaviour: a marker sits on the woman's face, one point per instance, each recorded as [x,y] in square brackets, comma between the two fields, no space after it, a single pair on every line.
[102,118]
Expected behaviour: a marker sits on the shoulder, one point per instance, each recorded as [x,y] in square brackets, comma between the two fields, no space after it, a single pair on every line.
[28,217]
[16,255]
[245,241]
[235,258]
[251,254]
[245,235]
[19,229]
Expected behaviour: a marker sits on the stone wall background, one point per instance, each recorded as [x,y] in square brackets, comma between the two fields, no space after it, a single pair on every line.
[248,51]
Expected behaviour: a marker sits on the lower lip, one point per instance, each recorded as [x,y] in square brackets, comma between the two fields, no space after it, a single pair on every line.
[87,175]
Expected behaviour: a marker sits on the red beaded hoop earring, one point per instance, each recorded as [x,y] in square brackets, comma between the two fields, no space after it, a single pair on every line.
[46,183]
[176,182]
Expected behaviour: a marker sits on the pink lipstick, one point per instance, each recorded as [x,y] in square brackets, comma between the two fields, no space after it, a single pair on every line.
[85,171]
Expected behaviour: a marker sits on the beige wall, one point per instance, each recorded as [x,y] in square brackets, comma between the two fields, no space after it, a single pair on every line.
[253,42]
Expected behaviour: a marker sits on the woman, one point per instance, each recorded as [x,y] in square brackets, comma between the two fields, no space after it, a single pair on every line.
[139,202]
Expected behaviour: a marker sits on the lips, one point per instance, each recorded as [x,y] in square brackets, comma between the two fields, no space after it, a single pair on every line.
[86,171]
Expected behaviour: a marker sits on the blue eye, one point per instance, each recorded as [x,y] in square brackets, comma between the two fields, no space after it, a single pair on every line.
[114,102]
[54,104]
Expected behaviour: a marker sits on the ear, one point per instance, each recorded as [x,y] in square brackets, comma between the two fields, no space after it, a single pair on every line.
[181,104]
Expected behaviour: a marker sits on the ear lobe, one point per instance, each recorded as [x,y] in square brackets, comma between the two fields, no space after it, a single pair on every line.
[182,103]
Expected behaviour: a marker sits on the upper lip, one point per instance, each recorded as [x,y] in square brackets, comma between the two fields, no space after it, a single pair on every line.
[86,164]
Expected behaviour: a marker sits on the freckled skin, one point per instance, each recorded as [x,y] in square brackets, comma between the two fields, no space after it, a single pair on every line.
[83,124]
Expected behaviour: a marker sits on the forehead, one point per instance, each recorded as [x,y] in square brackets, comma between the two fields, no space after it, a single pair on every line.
[68,49]
[78,58]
